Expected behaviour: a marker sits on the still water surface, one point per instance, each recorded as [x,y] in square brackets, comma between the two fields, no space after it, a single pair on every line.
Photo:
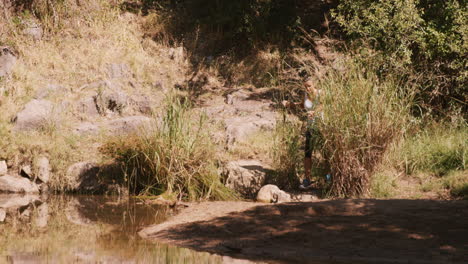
[86,229]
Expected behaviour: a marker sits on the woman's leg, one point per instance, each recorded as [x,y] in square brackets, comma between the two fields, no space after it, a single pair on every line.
[308,155]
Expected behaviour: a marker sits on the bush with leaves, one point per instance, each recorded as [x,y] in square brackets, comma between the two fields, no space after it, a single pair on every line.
[429,36]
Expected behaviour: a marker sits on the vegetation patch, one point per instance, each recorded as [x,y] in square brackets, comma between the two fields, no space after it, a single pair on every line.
[362,116]
[175,157]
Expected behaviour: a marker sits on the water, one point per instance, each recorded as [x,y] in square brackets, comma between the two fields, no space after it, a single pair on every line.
[86,229]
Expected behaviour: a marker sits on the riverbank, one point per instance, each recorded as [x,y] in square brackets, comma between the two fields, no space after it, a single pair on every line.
[336,231]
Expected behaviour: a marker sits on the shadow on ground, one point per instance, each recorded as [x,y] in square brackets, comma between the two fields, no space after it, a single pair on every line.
[335,231]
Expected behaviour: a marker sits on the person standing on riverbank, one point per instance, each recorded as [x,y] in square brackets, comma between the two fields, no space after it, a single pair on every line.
[313,111]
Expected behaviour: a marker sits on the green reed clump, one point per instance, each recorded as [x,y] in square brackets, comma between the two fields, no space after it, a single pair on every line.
[437,151]
[286,153]
[362,116]
[175,157]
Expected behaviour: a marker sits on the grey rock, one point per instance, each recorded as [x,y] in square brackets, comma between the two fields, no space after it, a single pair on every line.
[118,70]
[26,171]
[126,125]
[272,194]
[43,188]
[42,215]
[235,97]
[83,177]
[33,30]
[86,128]
[16,184]
[143,104]
[48,90]
[42,168]
[7,61]
[87,106]
[240,128]
[3,168]
[113,99]
[2,215]
[35,115]
[245,176]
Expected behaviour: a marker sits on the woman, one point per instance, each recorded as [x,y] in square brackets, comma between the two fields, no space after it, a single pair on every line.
[313,108]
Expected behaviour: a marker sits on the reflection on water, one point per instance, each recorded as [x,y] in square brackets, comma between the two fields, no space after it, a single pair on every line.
[85,229]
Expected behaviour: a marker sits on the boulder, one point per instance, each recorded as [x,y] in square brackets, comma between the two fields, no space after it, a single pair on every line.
[3,168]
[83,177]
[118,70]
[86,128]
[33,30]
[87,106]
[237,96]
[42,169]
[272,194]
[126,125]
[2,215]
[112,99]
[7,61]
[240,128]
[35,115]
[142,104]
[16,184]
[48,90]
[245,176]
[26,172]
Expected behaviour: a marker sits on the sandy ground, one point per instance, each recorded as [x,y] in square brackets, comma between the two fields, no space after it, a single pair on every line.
[334,231]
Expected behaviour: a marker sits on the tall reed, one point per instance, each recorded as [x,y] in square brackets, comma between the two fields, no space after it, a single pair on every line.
[362,116]
[175,156]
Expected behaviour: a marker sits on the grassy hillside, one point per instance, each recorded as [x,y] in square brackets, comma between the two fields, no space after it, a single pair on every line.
[394,126]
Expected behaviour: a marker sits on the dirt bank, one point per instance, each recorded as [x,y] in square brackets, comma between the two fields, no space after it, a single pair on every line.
[335,231]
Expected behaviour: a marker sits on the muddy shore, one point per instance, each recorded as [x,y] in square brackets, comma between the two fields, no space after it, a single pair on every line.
[333,231]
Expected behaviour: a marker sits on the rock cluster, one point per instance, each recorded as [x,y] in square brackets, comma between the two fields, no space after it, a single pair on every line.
[30,180]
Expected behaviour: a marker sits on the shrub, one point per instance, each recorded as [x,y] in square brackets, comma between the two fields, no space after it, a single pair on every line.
[383,184]
[438,151]
[286,153]
[428,36]
[362,116]
[457,183]
[176,157]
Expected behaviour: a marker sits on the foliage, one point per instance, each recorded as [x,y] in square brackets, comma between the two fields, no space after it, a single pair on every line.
[429,36]
[383,184]
[239,26]
[437,151]
[176,157]
[362,116]
[286,153]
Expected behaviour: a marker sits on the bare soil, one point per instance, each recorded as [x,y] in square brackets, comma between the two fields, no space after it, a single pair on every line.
[329,231]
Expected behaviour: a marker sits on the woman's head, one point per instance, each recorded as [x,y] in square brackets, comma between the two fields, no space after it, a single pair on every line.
[311,89]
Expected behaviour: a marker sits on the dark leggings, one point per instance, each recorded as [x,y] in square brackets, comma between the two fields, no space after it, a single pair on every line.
[312,140]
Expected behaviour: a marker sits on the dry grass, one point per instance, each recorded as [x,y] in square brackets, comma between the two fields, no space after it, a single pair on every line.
[79,43]
[362,117]
[175,157]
